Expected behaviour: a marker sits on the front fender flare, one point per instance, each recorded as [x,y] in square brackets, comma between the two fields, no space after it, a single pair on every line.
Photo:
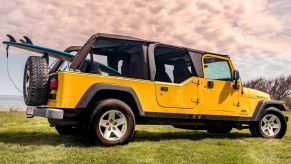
[263,105]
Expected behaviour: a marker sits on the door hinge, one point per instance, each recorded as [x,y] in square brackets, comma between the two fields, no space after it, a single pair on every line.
[195,81]
[195,100]
[236,103]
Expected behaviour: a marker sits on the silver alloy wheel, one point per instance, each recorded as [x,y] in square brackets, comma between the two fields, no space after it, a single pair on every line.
[270,125]
[112,125]
[27,81]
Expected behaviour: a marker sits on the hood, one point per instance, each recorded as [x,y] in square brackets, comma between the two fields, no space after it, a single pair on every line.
[257,94]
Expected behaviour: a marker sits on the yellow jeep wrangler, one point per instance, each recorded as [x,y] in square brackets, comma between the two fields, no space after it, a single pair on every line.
[111,83]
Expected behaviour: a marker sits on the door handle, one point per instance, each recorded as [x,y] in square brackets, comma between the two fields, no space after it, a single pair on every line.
[164,89]
[210,84]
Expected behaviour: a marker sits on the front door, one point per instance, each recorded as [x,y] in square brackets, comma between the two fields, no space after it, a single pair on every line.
[218,90]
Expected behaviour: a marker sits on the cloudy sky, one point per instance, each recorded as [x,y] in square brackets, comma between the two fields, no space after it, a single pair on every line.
[255,33]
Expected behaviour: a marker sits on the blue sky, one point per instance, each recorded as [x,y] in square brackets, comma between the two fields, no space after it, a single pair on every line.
[255,33]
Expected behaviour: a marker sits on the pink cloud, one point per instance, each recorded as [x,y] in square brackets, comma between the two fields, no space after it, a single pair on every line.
[241,28]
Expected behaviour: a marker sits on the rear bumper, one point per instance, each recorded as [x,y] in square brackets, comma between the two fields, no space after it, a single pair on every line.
[44,112]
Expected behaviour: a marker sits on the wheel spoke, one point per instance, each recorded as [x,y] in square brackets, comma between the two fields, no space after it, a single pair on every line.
[272,119]
[111,116]
[103,123]
[117,132]
[277,126]
[271,132]
[120,121]
[264,128]
[107,133]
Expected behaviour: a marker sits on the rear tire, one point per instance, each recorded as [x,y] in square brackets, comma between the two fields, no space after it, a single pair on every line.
[35,81]
[114,123]
[219,129]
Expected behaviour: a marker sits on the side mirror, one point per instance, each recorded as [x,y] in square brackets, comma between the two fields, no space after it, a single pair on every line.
[235,78]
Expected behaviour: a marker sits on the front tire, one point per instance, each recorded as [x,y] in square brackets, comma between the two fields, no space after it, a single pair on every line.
[114,122]
[253,130]
[272,124]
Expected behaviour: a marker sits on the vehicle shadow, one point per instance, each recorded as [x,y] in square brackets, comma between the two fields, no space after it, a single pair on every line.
[40,138]
[189,135]
[54,139]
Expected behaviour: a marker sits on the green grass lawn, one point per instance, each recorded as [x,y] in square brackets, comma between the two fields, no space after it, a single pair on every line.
[25,140]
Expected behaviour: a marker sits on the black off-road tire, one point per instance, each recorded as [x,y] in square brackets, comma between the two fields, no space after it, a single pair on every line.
[219,129]
[68,130]
[35,81]
[253,129]
[277,113]
[106,106]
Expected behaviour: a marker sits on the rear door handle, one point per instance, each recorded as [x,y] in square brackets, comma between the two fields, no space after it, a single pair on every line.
[210,84]
[164,89]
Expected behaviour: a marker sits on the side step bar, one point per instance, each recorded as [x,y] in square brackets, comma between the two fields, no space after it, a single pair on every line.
[44,112]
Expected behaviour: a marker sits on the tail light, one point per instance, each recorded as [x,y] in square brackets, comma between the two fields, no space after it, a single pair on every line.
[53,84]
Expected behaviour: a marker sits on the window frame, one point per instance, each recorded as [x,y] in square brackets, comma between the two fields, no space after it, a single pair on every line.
[143,60]
[152,63]
[231,68]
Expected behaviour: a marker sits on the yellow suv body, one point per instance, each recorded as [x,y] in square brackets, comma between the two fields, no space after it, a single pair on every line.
[157,83]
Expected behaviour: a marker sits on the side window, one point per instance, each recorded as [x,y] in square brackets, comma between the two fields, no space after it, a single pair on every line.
[217,69]
[173,65]
[114,57]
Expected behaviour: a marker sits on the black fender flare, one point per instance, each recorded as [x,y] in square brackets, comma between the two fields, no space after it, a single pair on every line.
[264,105]
[95,88]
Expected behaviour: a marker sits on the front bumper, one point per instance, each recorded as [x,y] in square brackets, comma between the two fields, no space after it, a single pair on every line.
[44,112]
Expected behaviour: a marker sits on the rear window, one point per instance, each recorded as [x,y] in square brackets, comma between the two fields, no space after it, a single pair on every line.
[116,58]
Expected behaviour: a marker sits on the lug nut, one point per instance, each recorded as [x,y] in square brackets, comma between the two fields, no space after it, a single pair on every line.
[113,128]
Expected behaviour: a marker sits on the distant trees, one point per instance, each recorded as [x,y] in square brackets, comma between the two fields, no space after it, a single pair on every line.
[279,88]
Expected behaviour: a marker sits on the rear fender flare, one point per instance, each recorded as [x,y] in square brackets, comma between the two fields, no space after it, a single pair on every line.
[95,88]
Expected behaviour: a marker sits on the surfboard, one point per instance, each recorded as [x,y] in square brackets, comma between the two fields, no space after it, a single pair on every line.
[42,50]
[51,52]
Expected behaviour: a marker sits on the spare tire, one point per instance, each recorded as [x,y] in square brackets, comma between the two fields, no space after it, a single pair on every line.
[35,81]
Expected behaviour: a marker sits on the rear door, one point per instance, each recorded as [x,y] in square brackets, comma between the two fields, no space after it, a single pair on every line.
[175,81]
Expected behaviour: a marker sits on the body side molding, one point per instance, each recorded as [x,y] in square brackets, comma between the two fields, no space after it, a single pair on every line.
[196,117]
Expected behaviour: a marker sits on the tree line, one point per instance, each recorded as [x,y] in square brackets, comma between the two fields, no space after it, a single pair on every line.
[279,88]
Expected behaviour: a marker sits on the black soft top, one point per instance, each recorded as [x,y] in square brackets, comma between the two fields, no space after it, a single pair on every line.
[129,38]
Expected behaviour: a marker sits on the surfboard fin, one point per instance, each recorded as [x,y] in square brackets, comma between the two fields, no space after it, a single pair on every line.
[11,38]
[22,41]
[28,41]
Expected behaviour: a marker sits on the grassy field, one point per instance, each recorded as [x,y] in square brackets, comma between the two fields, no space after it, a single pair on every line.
[25,140]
